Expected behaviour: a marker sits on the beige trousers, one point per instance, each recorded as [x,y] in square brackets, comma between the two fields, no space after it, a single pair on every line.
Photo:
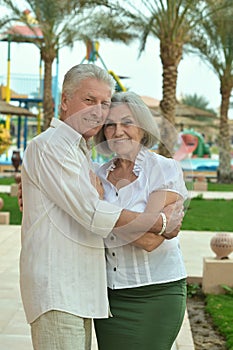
[56,330]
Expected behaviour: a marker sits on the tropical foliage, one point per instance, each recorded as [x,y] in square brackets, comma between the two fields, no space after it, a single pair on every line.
[5,139]
[197,101]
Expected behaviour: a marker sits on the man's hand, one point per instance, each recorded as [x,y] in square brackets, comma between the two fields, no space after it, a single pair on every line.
[20,192]
[95,181]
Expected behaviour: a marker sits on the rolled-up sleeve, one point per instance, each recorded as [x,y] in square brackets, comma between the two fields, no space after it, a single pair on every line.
[105,217]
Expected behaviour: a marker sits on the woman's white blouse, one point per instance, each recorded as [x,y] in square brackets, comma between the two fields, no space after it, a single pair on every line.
[129,266]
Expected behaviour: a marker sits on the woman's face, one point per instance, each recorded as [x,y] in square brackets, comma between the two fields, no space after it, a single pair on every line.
[122,132]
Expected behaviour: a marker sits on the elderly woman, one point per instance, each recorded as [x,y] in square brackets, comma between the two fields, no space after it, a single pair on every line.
[146,289]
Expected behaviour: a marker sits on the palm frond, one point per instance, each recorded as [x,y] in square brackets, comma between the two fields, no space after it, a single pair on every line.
[109,26]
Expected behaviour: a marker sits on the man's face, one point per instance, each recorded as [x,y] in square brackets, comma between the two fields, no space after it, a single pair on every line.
[88,108]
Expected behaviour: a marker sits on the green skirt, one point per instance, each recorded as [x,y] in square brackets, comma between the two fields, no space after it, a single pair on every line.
[144,318]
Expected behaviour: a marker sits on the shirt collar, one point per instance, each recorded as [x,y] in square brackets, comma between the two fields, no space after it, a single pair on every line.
[70,133]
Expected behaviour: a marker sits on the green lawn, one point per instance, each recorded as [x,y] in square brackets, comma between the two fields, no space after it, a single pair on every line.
[7,180]
[11,205]
[212,186]
[208,215]
[220,187]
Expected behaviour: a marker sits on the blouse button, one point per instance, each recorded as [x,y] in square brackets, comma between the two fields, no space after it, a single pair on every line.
[112,238]
[113,254]
[114,269]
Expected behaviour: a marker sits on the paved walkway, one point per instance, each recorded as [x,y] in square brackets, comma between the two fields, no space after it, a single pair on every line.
[5,189]
[212,194]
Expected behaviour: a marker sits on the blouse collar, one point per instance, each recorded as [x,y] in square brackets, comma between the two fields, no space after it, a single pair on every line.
[137,164]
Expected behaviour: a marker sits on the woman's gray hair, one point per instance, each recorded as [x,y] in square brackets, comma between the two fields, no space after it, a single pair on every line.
[142,115]
[80,72]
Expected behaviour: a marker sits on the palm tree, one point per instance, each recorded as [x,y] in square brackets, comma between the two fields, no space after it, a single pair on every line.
[172,22]
[214,42]
[197,101]
[62,22]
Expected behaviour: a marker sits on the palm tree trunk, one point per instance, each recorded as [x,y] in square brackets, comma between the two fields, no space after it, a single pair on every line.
[170,54]
[225,174]
[48,105]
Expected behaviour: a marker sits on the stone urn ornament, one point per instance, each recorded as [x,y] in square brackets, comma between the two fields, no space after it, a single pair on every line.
[16,160]
[222,245]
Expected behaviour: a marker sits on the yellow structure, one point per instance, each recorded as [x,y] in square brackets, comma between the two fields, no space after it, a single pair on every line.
[4,93]
[117,79]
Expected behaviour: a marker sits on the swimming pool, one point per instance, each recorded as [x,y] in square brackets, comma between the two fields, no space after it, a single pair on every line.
[200,164]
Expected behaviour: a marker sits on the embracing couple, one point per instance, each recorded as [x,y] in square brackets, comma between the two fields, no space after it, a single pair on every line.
[100,241]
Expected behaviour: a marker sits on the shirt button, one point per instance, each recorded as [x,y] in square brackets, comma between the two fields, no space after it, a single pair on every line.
[112,238]
[114,269]
[113,254]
